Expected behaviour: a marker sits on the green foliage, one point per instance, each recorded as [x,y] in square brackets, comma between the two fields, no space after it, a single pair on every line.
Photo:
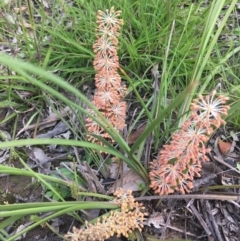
[63,191]
[179,37]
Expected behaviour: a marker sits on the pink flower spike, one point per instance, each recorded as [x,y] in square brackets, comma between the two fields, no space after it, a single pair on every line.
[159,184]
[103,62]
[109,19]
[104,45]
[171,173]
[105,98]
[194,170]
[185,186]
[108,96]
[210,108]
[105,80]
[118,111]
[180,161]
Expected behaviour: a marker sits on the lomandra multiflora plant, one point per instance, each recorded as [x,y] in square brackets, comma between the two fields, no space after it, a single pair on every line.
[108,100]
[129,218]
[109,93]
[181,160]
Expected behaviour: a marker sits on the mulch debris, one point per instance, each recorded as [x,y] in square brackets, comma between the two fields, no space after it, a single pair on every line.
[189,219]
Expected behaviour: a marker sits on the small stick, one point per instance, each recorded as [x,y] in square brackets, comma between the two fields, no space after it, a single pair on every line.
[190,196]
[213,222]
[200,219]
[226,164]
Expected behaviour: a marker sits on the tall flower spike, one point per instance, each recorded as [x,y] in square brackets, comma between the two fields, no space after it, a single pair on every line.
[109,19]
[180,161]
[211,108]
[109,93]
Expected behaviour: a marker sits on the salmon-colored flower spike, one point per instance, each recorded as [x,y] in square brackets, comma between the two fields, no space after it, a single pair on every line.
[109,18]
[211,108]
[109,94]
[181,160]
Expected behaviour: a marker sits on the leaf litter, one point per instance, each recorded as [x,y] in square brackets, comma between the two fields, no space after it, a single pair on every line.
[200,220]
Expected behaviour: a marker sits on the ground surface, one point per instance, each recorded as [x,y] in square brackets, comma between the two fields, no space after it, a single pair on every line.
[170,218]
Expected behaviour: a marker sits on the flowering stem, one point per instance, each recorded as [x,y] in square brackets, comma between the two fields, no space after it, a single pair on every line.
[161,116]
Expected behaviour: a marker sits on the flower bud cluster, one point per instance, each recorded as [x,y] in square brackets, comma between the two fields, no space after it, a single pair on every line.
[130,217]
[180,160]
[109,93]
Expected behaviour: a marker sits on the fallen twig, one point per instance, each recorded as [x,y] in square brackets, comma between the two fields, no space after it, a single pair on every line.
[190,196]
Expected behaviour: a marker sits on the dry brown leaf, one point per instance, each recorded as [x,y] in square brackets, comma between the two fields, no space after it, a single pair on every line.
[3,113]
[117,168]
[224,147]
[156,219]
[209,168]
[48,122]
[25,24]
[134,135]
[21,9]
[130,181]
[234,136]
[91,178]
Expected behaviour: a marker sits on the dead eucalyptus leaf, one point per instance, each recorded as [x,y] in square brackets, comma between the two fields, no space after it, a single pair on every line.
[21,9]
[227,215]
[4,152]
[58,129]
[48,122]
[26,24]
[156,219]
[116,167]
[90,177]
[224,147]
[234,136]
[19,229]
[92,213]
[129,181]
[55,223]
[209,168]
[38,155]
[40,158]
[135,135]
[45,3]
[3,113]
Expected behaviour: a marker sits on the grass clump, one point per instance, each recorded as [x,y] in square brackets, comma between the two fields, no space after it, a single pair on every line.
[169,51]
